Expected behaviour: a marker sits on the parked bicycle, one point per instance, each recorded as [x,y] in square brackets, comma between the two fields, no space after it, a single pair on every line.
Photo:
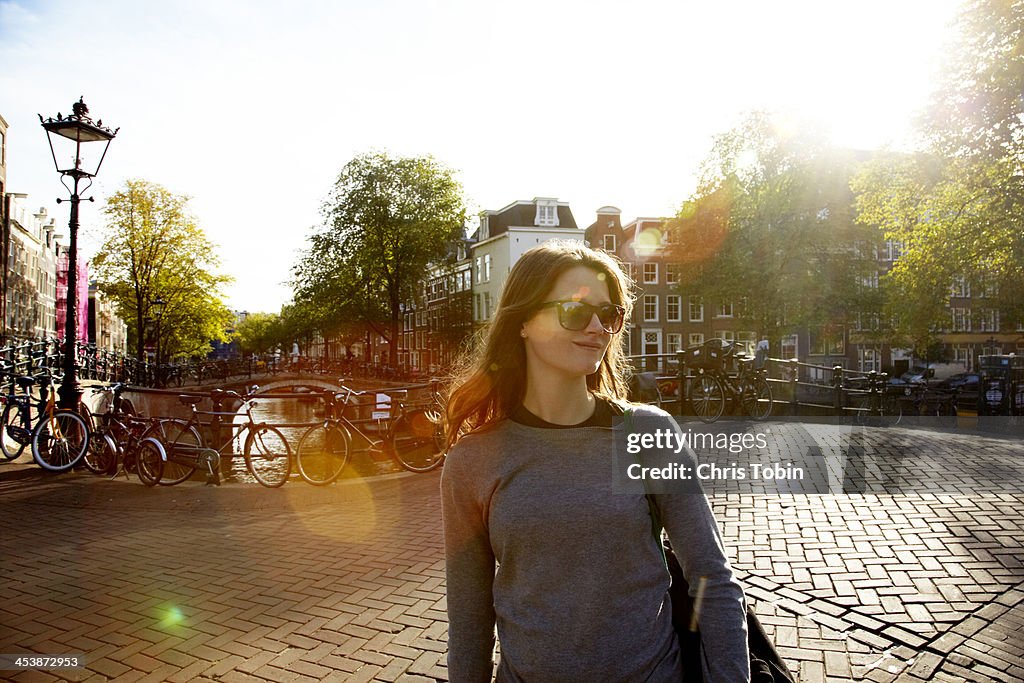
[120,444]
[411,435]
[713,386]
[267,454]
[58,437]
[875,401]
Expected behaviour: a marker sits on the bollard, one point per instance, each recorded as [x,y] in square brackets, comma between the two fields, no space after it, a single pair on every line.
[681,379]
[794,381]
[837,385]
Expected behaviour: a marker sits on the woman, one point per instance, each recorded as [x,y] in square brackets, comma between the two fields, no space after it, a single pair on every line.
[536,542]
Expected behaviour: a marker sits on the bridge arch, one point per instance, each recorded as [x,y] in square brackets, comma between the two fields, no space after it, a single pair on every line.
[288,384]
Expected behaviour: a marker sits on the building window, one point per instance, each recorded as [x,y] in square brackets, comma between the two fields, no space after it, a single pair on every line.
[479,269]
[988,320]
[724,310]
[989,287]
[696,309]
[962,356]
[696,338]
[650,273]
[828,343]
[674,308]
[790,347]
[547,213]
[748,340]
[893,250]
[608,242]
[651,308]
[870,360]
[961,288]
[673,343]
[487,305]
[487,268]
[961,319]
[724,335]
[870,281]
[672,273]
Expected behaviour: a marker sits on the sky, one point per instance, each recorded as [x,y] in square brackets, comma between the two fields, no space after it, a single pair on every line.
[252,108]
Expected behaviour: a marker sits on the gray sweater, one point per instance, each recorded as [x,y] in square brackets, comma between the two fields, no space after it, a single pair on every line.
[537,543]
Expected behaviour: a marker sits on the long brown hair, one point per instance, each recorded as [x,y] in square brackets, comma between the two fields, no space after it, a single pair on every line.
[493,383]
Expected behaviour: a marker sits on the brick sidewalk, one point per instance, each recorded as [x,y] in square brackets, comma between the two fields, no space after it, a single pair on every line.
[347,582]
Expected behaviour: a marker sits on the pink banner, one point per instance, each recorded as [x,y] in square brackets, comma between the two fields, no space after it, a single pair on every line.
[82,302]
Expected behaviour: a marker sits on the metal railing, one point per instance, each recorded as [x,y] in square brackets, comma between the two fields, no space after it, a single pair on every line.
[798,388]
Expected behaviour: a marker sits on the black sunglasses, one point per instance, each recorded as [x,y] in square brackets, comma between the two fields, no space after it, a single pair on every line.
[576,315]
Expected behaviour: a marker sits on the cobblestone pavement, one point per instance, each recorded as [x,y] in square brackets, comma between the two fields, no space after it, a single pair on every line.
[347,582]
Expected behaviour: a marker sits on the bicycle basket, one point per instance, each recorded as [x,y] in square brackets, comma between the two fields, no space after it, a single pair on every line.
[706,357]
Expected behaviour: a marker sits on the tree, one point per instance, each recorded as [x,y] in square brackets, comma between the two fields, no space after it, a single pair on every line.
[259,332]
[153,248]
[385,221]
[769,229]
[958,206]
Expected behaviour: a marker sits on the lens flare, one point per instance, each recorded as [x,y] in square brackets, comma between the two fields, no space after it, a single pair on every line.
[172,617]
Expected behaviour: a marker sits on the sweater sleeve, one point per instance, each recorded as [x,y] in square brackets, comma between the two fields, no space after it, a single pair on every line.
[469,566]
[697,543]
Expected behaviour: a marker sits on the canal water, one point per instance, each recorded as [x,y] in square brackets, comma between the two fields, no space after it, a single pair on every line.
[293,416]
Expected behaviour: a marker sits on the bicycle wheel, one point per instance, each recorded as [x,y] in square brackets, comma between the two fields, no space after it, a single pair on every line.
[892,410]
[323,453]
[101,456]
[416,441]
[11,417]
[149,461]
[59,441]
[268,456]
[181,442]
[757,398]
[707,398]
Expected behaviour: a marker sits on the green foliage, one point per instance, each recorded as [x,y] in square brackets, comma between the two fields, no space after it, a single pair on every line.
[153,248]
[259,332]
[385,220]
[770,229]
[977,111]
[959,208]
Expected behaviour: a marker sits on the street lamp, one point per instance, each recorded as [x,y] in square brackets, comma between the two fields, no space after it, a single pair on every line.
[69,137]
[158,313]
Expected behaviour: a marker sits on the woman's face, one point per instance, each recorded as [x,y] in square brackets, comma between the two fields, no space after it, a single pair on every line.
[552,349]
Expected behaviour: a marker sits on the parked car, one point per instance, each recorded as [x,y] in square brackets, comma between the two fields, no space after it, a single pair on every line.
[967,385]
[960,380]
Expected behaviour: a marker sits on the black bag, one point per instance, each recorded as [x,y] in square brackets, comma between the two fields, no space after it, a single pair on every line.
[766,664]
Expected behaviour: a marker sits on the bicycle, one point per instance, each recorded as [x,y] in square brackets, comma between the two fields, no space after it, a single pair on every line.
[121,439]
[880,404]
[59,437]
[267,454]
[713,386]
[412,437]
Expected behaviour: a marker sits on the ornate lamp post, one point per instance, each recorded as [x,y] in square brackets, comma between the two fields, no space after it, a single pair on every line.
[73,135]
